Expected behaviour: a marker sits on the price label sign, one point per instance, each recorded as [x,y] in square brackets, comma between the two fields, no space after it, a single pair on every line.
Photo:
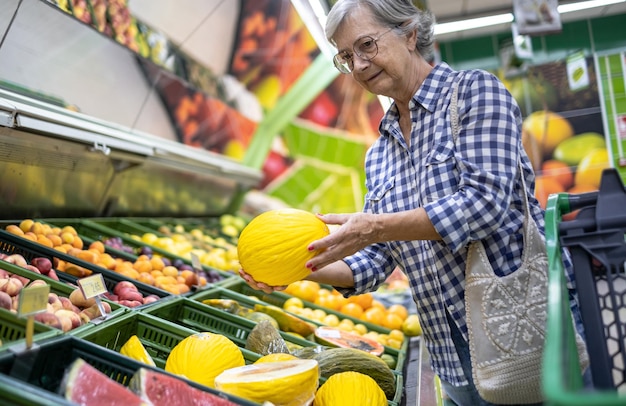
[92,286]
[33,300]
[195,262]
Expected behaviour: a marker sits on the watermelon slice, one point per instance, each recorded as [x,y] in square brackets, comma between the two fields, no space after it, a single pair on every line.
[85,385]
[159,389]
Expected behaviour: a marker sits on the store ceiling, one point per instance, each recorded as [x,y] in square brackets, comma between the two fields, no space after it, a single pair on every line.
[454,10]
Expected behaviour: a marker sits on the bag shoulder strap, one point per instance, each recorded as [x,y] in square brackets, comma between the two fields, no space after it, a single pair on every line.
[454,116]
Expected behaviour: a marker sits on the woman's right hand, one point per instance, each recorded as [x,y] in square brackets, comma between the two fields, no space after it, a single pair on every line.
[259,285]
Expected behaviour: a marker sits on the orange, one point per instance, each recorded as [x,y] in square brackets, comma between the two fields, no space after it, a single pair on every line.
[157,263]
[170,271]
[398,309]
[544,187]
[352,309]
[98,246]
[374,315]
[559,171]
[379,304]
[143,266]
[305,290]
[364,300]
[392,321]
[146,278]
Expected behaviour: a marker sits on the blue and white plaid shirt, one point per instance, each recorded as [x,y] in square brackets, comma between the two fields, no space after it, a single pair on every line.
[471,190]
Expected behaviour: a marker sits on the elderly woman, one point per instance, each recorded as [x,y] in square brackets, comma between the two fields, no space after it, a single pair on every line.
[429,193]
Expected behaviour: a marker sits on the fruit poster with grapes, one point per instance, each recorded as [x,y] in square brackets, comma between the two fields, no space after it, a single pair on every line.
[563,130]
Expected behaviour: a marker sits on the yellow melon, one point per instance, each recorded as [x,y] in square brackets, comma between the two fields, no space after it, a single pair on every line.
[350,388]
[273,247]
[283,383]
[202,356]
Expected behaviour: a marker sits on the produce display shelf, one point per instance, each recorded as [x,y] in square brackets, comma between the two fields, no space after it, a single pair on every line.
[596,239]
[59,288]
[12,244]
[123,228]
[157,335]
[202,317]
[35,377]
[240,291]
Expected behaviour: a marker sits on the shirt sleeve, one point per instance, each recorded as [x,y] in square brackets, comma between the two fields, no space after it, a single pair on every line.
[370,267]
[486,152]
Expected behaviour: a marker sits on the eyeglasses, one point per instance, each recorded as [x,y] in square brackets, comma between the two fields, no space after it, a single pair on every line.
[365,48]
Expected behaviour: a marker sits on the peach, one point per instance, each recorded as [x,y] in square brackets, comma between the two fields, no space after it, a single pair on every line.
[123,284]
[79,300]
[5,301]
[69,319]
[13,286]
[16,259]
[49,319]
[130,294]
[68,305]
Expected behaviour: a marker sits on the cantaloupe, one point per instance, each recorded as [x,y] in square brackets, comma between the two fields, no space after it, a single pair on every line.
[273,247]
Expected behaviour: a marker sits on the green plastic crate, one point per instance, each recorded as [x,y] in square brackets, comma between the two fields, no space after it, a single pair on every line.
[13,331]
[158,336]
[202,317]
[61,289]
[35,377]
[240,291]
[561,373]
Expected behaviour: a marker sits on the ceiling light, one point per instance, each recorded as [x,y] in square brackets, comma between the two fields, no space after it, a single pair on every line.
[480,22]
[473,23]
[583,5]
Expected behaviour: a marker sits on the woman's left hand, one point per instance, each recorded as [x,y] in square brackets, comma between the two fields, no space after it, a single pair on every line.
[356,232]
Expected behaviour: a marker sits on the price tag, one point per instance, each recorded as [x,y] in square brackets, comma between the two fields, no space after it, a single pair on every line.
[195,262]
[92,286]
[33,300]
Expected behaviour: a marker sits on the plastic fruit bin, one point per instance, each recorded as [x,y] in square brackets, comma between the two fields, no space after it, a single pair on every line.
[240,291]
[102,229]
[35,377]
[159,336]
[596,240]
[202,317]
[12,244]
[59,288]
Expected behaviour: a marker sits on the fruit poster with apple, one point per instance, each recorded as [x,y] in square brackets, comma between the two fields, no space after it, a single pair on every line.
[562,130]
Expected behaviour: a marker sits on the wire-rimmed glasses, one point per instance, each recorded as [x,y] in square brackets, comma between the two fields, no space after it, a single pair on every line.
[365,48]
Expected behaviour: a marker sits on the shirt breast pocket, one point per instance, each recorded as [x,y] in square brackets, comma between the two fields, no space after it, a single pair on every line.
[441,174]
[380,198]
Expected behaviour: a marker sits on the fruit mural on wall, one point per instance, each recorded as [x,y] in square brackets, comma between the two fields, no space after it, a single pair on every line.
[562,130]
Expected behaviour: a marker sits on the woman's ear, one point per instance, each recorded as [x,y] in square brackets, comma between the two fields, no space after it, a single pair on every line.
[411,40]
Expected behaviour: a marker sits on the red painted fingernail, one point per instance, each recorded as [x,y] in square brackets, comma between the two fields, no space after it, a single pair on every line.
[309,265]
[310,248]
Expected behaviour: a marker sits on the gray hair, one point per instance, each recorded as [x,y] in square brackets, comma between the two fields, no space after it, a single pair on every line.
[399,14]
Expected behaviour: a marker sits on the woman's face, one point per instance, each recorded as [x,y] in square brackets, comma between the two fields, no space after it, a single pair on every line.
[388,72]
